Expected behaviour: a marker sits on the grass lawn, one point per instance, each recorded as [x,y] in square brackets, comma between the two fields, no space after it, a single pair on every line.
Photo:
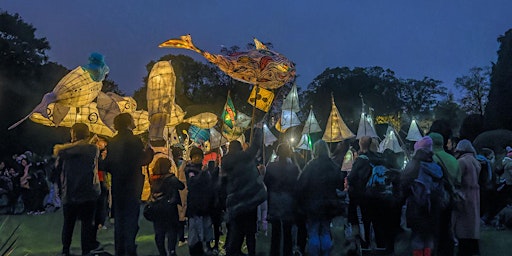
[40,235]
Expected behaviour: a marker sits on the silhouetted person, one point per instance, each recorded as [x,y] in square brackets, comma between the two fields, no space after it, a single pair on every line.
[77,164]
[126,156]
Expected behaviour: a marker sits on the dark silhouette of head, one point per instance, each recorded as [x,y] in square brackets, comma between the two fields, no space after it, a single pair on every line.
[124,121]
[80,131]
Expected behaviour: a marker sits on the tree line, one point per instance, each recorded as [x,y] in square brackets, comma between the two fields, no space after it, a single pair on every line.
[26,73]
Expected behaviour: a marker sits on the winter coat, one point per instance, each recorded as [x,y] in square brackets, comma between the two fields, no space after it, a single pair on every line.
[200,197]
[445,160]
[167,186]
[125,158]
[467,215]
[244,186]
[316,188]
[78,168]
[507,170]
[280,180]
[360,173]
[420,219]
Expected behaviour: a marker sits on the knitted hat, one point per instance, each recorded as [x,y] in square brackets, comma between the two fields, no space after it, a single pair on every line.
[424,143]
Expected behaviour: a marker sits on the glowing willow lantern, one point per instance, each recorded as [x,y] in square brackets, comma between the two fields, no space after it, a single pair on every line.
[90,115]
[259,66]
[78,88]
[336,130]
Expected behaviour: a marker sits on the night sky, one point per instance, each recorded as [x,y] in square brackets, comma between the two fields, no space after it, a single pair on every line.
[438,39]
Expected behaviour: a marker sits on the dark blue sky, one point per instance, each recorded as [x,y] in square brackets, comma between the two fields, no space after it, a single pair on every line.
[436,38]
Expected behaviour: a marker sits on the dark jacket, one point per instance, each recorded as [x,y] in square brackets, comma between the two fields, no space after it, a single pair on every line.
[77,166]
[244,187]
[316,188]
[419,219]
[360,173]
[167,186]
[280,180]
[126,155]
[200,198]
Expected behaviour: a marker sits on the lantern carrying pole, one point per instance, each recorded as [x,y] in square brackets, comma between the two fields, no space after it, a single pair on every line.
[254,113]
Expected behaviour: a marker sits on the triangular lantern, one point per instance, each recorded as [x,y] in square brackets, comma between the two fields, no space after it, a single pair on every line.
[268,136]
[289,119]
[291,101]
[414,133]
[336,129]
[366,127]
[390,142]
[311,125]
[305,142]
[216,139]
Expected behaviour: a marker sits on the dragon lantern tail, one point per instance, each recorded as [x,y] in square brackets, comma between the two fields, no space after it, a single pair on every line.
[184,42]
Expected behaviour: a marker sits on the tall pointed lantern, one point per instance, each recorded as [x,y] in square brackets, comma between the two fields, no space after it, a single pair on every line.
[390,141]
[311,125]
[366,127]
[336,130]
[289,109]
[414,133]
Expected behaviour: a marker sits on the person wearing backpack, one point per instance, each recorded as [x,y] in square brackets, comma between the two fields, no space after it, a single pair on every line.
[165,185]
[376,201]
[445,242]
[467,214]
[419,179]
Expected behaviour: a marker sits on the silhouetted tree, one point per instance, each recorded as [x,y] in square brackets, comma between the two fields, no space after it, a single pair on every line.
[497,112]
[475,88]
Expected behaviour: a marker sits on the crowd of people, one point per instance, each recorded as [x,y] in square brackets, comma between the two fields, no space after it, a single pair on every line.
[442,195]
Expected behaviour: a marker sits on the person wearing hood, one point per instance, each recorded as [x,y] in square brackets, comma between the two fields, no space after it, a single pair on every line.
[423,221]
[450,165]
[280,179]
[316,194]
[77,164]
[467,214]
[245,191]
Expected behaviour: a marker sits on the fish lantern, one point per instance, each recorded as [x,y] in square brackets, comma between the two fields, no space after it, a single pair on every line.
[259,66]
[78,88]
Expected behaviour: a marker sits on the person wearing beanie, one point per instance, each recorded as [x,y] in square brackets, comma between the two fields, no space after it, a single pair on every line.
[422,224]
[450,166]
[467,215]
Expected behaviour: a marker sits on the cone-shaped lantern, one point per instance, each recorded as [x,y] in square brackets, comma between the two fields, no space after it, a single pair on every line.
[305,142]
[291,101]
[289,119]
[311,125]
[268,136]
[414,133]
[336,130]
[390,142]
[366,127]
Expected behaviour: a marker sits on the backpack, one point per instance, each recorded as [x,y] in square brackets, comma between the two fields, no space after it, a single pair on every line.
[379,184]
[427,190]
